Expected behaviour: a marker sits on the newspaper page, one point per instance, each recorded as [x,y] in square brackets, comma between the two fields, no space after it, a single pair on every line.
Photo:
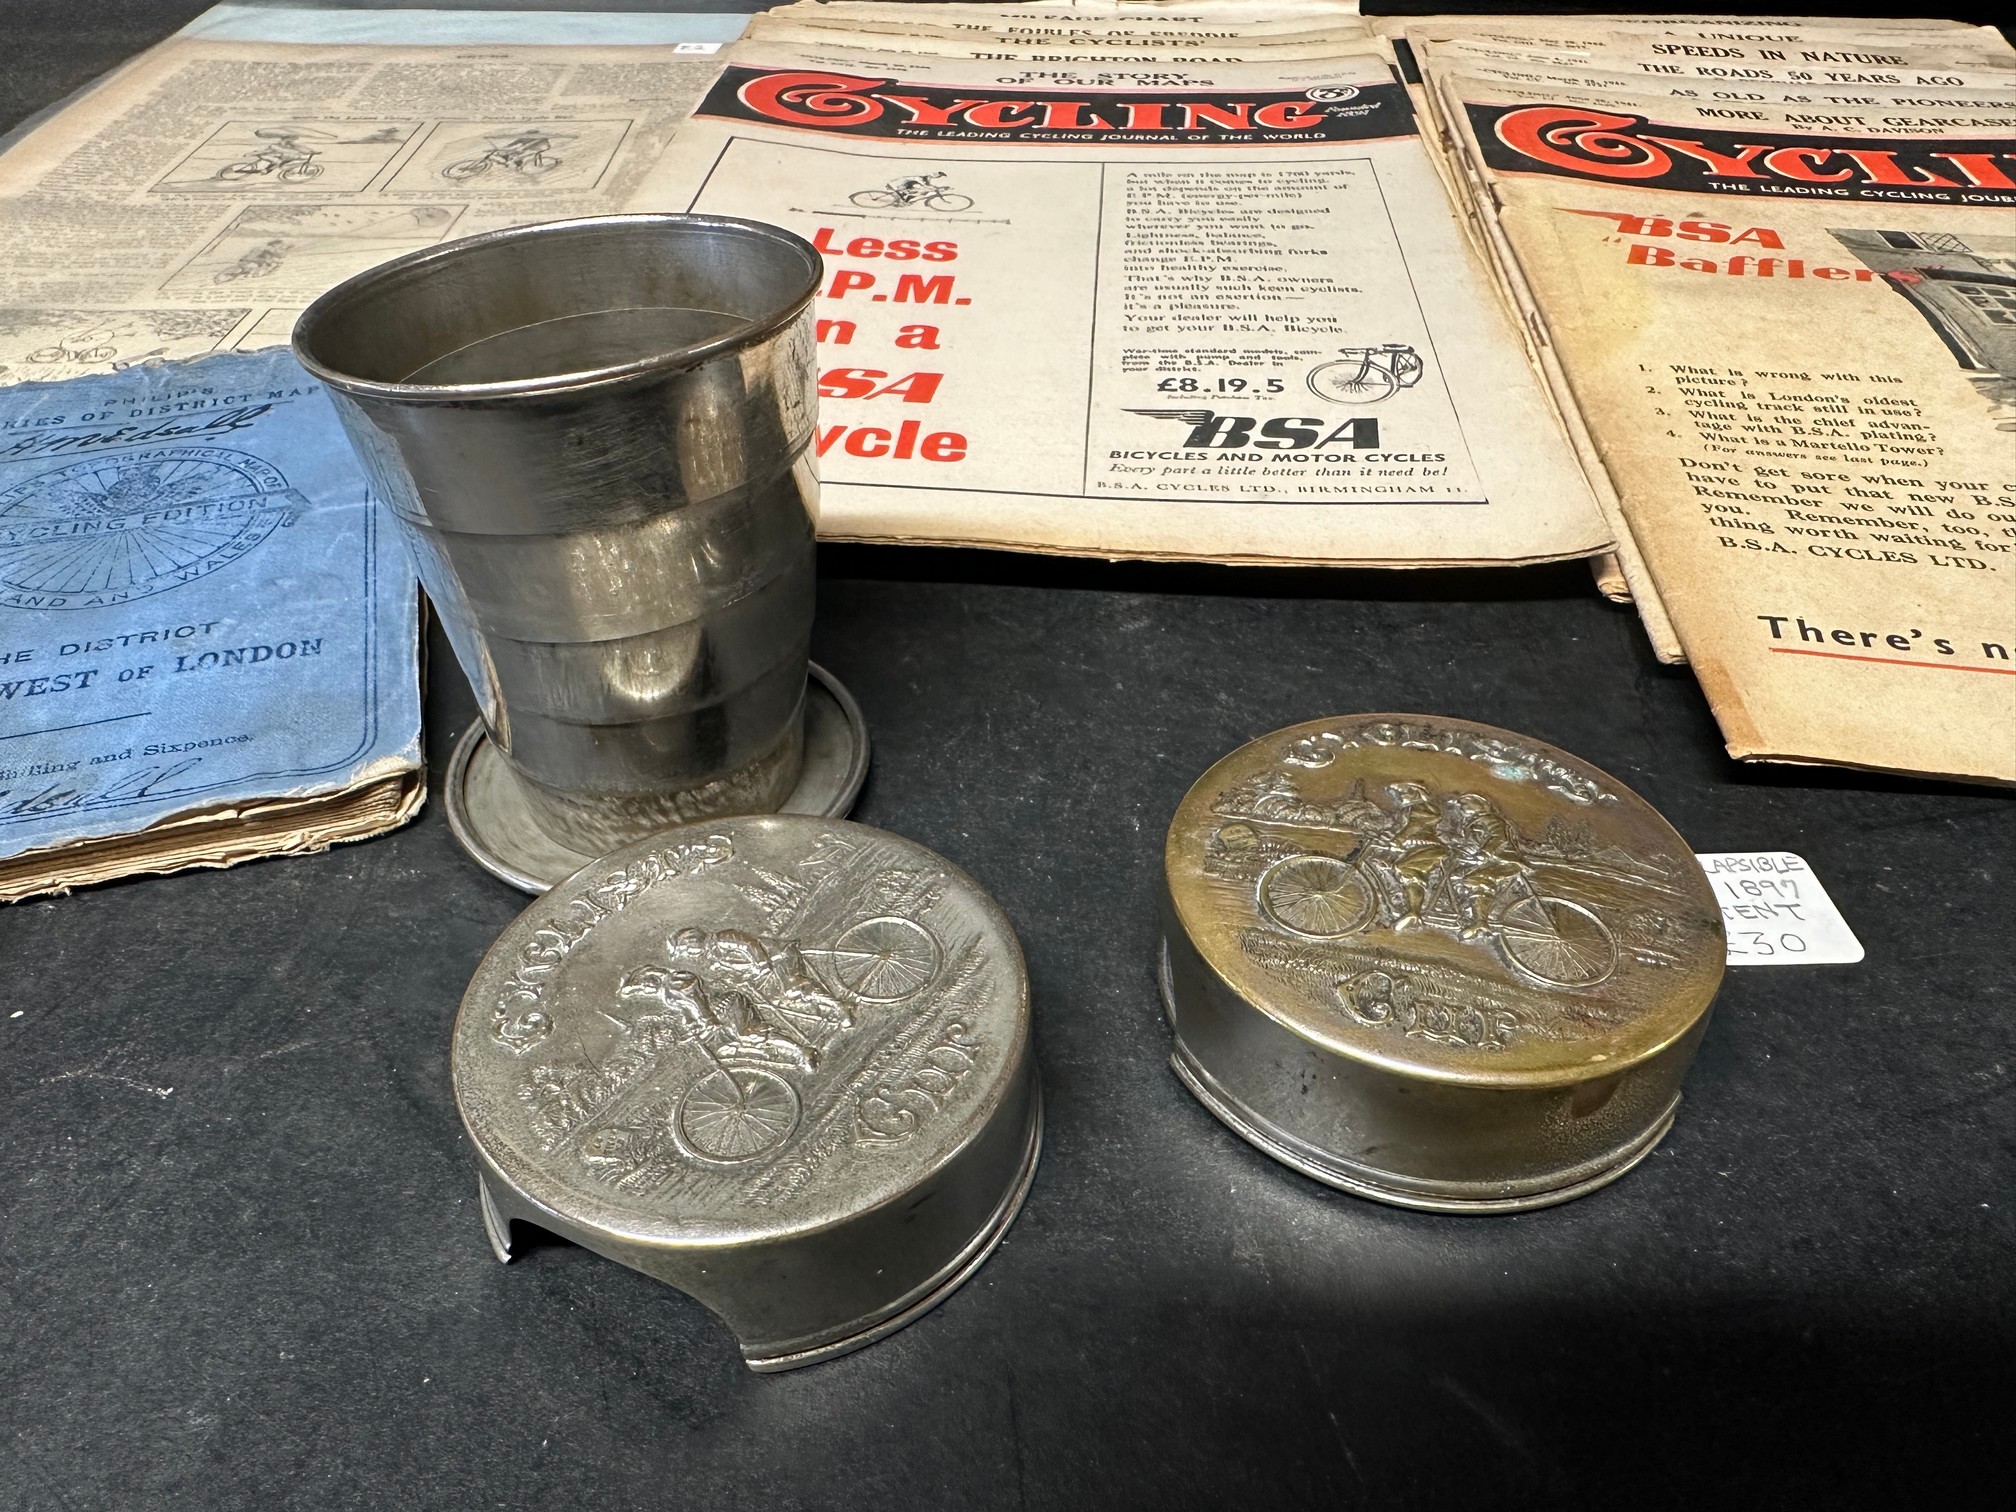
[1732,71]
[208,636]
[1791,340]
[1193,311]
[1059,16]
[1567,32]
[1621,575]
[197,199]
[1258,24]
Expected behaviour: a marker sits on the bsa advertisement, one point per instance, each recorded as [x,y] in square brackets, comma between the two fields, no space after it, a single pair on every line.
[1186,310]
[1796,351]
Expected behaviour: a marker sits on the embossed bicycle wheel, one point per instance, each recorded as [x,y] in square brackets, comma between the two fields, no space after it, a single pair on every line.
[885,960]
[1317,896]
[657,1060]
[738,1114]
[1435,1058]
[1558,944]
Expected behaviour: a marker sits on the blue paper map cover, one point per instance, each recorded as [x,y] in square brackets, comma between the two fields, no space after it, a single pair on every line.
[201,610]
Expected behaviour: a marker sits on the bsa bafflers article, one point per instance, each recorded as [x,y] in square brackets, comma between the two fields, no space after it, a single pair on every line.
[1092,308]
[1797,348]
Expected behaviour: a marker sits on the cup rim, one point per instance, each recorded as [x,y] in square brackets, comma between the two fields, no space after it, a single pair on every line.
[327,305]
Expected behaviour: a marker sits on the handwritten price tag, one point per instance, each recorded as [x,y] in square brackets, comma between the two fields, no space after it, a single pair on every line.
[1776,911]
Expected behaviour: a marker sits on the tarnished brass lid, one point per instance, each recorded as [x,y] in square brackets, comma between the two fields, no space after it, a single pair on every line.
[1445,901]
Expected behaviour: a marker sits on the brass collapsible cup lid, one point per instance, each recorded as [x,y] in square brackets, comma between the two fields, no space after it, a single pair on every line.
[1434,962]
[778,1062]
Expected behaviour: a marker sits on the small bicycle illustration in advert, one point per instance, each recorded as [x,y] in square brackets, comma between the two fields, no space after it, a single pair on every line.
[926,189]
[1460,871]
[1365,375]
[761,1014]
[280,156]
[94,345]
[526,153]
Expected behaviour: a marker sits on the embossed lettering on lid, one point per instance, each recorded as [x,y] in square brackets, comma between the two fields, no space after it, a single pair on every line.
[762,1038]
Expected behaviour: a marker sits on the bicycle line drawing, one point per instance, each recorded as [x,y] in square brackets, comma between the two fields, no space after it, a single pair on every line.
[327,156]
[303,242]
[526,153]
[93,345]
[913,189]
[511,155]
[1365,375]
[280,154]
[261,261]
[53,343]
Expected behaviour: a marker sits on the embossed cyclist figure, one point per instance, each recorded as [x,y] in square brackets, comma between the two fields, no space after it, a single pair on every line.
[727,1026]
[771,972]
[1483,857]
[1460,868]
[1404,850]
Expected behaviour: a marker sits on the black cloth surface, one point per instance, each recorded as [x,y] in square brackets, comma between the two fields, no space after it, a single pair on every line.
[241,1264]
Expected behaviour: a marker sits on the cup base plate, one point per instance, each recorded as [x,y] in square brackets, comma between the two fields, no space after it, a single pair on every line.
[491,822]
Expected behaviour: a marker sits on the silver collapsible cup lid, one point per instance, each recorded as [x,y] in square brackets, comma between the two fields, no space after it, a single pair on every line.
[780,1063]
[1434,963]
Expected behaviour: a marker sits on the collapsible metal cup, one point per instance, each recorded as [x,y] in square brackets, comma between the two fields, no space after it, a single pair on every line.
[594,435]
[781,1063]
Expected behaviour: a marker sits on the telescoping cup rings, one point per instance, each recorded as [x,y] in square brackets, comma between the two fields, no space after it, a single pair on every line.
[593,435]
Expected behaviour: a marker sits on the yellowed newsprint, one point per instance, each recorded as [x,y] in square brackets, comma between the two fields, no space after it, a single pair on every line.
[1208,311]
[1793,336]
[197,198]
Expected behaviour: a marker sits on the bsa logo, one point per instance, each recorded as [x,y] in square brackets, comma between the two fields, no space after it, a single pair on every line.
[1281,433]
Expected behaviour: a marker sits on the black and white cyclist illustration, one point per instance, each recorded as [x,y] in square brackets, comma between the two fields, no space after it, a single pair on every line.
[1365,375]
[1456,867]
[281,154]
[926,189]
[526,153]
[261,261]
[93,345]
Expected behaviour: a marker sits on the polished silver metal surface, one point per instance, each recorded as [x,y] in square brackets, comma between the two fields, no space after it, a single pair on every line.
[594,436]
[780,1063]
[487,812]
[1434,963]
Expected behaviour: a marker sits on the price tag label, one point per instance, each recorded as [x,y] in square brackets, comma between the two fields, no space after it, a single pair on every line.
[1776,911]
[696,47]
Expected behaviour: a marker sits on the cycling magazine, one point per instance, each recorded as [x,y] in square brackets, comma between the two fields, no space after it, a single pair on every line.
[1176,309]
